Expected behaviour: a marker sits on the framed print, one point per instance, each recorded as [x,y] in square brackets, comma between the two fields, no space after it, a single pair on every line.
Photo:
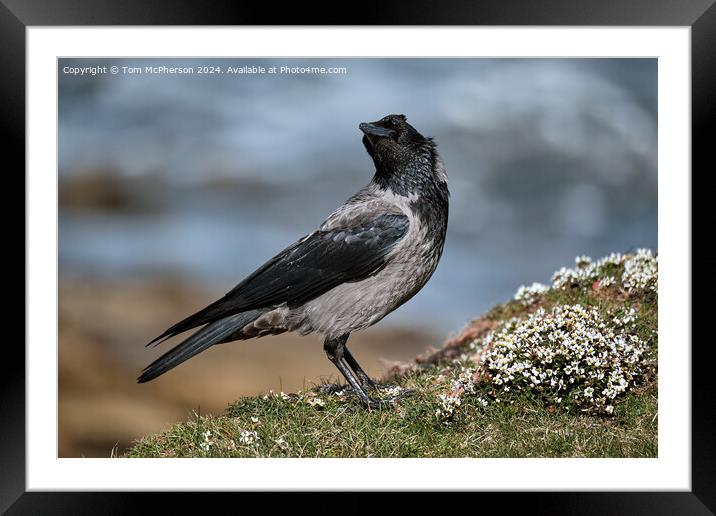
[171,151]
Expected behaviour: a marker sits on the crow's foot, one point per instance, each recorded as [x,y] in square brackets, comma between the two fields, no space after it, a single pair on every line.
[394,393]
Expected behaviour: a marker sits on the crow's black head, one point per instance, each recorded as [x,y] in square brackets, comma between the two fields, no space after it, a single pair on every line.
[403,157]
[391,135]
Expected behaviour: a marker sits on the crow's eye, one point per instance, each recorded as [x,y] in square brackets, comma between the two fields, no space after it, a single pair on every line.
[394,122]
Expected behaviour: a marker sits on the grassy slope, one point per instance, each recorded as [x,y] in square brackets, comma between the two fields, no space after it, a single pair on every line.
[521,426]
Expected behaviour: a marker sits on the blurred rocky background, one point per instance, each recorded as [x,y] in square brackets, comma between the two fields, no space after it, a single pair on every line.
[173,187]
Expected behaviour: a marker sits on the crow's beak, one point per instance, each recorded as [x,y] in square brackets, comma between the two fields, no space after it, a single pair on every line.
[371,129]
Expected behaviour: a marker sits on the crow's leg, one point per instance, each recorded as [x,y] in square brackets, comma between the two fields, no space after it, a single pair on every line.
[335,350]
[366,382]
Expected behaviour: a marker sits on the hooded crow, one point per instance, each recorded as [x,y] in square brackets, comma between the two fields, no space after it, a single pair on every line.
[366,259]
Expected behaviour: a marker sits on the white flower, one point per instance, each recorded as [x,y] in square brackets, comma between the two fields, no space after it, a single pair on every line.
[207,442]
[448,404]
[607,281]
[529,295]
[640,271]
[316,402]
[248,437]
[254,419]
[583,261]
[393,391]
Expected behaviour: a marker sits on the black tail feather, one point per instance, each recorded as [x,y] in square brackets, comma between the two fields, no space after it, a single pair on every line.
[209,314]
[203,339]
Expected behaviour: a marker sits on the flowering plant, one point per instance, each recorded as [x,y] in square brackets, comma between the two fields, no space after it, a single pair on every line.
[569,354]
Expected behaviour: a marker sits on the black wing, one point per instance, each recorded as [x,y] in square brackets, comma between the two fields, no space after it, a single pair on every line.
[305,270]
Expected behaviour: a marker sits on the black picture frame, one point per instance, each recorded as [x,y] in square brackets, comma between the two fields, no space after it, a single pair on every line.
[17,15]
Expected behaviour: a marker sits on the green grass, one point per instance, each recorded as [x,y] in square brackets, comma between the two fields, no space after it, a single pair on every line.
[519,426]
[525,428]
